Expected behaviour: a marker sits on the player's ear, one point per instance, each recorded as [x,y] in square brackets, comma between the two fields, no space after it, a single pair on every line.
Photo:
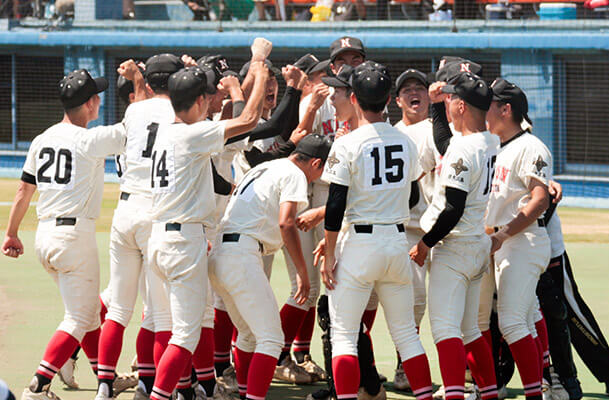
[131,97]
[317,163]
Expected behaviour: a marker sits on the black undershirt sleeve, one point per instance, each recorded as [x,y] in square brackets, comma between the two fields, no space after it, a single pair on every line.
[448,218]
[441,128]
[415,194]
[238,107]
[28,178]
[335,207]
[255,156]
[547,216]
[221,185]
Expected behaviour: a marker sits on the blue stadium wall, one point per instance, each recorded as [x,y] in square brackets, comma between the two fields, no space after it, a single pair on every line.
[529,54]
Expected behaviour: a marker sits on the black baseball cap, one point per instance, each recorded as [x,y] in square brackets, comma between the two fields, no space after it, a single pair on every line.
[507,92]
[187,83]
[78,87]
[341,79]
[314,145]
[322,66]
[246,67]
[371,82]
[306,63]
[472,89]
[346,43]
[450,67]
[410,73]
[163,63]
[216,60]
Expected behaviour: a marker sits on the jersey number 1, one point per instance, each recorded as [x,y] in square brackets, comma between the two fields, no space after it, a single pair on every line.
[490,172]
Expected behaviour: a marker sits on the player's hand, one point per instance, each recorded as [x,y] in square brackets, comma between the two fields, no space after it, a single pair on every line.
[128,69]
[292,75]
[419,252]
[188,61]
[435,92]
[303,288]
[342,131]
[12,246]
[309,219]
[261,48]
[555,190]
[318,253]
[327,271]
[258,68]
[320,92]
[496,242]
[297,135]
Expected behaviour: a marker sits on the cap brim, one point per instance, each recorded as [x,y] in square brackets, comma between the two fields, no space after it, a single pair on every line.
[449,89]
[345,49]
[101,84]
[334,81]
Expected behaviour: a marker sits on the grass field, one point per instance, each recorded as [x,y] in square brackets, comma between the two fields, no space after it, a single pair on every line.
[30,306]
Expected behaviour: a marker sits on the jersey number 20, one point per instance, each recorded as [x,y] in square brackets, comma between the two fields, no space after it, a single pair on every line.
[63,166]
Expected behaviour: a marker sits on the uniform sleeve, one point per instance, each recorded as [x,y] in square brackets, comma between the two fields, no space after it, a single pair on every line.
[415,166]
[294,188]
[103,141]
[456,169]
[29,168]
[536,163]
[205,137]
[338,169]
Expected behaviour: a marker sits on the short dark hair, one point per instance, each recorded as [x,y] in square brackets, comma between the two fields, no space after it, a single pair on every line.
[517,116]
[158,82]
[184,104]
[375,107]
[302,157]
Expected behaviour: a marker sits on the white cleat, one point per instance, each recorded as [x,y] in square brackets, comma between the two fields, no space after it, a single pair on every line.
[439,394]
[400,381]
[289,371]
[66,374]
[140,394]
[124,382]
[228,380]
[558,391]
[45,394]
[502,393]
[103,392]
[317,373]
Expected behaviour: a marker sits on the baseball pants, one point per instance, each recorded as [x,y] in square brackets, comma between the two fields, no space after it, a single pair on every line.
[419,275]
[236,272]
[457,267]
[69,254]
[373,261]
[487,294]
[180,258]
[518,265]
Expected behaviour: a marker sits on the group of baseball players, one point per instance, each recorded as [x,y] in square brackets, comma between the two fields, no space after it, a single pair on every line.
[452,208]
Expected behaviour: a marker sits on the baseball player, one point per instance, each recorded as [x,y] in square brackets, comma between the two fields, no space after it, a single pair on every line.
[183,204]
[412,98]
[66,164]
[259,219]
[454,226]
[521,245]
[370,172]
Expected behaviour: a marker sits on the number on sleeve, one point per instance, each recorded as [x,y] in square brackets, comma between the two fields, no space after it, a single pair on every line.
[152,129]
[63,166]
[119,167]
[490,172]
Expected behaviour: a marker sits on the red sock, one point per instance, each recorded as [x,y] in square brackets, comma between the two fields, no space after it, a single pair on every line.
[368,318]
[161,341]
[488,337]
[542,334]
[110,343]
[482,365]
[346,376]
[451,353]
[291,319]
[103,311]
[539,353]
[174,361]
[203,357]
[260,375]
[144,347]
[302,341]
[526,356]
[418,374]
[223,331]
[242,366]
[90,345]
[58,351]
[184,381]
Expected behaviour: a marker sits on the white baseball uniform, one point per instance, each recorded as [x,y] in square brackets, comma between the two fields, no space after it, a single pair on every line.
[525,256]
[459,260]
[67,163]
[132,219]
[377,163]
[183,205]
[249,230]
[419,133]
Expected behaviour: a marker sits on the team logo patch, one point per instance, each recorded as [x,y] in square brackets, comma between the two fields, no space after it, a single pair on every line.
[459,167]
[332,161]
[539,164]
[344,42]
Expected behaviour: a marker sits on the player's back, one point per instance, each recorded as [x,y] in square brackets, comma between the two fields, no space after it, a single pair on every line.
[67,162]
[142,120]
[254,206]
[378,163]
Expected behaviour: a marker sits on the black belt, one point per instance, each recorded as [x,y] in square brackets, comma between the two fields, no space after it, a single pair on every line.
[66,221]
[234,237]
[368,228]
[173,226]
[540,223]
[125,195]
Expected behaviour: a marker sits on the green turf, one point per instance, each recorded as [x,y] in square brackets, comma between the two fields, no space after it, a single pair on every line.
[31,309]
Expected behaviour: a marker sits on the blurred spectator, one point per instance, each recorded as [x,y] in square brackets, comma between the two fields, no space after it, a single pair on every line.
[201,9]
